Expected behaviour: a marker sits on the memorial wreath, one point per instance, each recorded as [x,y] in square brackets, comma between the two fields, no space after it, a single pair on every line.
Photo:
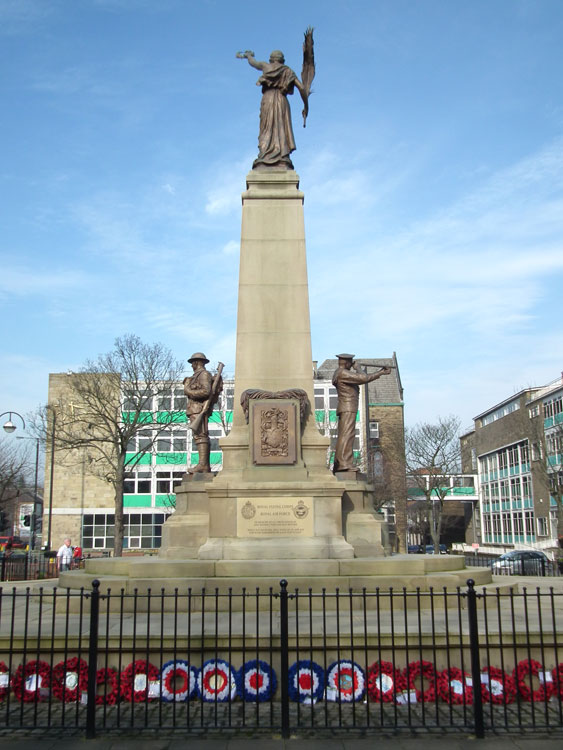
[306,681]
[256,681]
[345,682]
[455,686]
[108,677]
[69,679]
[523,674]
[136,681]
[31,681]
[178,681]
[216,681]
[384,682]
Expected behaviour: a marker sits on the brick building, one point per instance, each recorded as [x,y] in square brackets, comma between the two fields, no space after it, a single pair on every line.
[509,446]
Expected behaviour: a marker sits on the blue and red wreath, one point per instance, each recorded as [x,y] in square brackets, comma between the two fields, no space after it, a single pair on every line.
[523,674]
[345,682]
[306,681]
[139,680]
[497,686]
[69,679]
[455,686]
[420,677]
[110,691]
[216,681]
[32,682]
[256,681]
[178,681]
[385,682]
[4,680]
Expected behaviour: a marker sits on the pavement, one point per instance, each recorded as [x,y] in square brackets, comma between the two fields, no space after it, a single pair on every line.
[423,741]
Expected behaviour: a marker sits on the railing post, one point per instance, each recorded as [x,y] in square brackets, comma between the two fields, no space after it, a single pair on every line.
[3,573]
[93,660]
[475,661]
[284,659]
[26,561]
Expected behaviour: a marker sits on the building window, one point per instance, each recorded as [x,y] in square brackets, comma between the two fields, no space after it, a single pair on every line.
[175,441]
[167,481]
[140,442]
[537,451]
[516,489]
[173,400]
[133,399]
[527,487]
[534,411]
[142,530]
[137,483]
[524,453]
[529,521]
[319,398]
[332,398]
[542,526]
[98,530]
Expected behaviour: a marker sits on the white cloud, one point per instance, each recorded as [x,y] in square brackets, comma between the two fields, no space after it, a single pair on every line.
[231,247]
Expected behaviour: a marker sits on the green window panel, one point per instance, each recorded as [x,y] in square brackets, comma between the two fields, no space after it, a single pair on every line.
[559,418]
[134,459]
[463,491]
[388,403]
[171,458]
[548,422]
[321,415]
[137,501]
[216,417]
[171,417]
[215,458]
[165,501]
[145,417]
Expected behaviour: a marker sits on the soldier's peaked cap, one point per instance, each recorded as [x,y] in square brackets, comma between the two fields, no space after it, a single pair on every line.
[198,355]
[345,356]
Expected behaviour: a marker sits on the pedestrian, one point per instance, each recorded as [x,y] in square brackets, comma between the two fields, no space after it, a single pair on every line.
[64,556]
[76,556]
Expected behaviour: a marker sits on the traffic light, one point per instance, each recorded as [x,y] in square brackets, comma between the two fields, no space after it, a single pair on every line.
[26,520]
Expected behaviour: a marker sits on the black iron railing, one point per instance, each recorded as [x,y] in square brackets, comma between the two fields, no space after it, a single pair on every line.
[281,660]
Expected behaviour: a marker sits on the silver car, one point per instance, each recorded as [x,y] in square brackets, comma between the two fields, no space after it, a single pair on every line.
[522,562]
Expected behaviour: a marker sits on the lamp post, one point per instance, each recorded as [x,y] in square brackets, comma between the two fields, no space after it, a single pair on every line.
[32,524]
[54,413]
[9,426]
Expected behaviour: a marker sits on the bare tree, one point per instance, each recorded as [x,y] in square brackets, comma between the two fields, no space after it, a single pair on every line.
[433,454]
[112,401]
[15,468]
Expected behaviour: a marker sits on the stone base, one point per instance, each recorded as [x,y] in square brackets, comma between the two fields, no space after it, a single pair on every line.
[274,548]
[410,572]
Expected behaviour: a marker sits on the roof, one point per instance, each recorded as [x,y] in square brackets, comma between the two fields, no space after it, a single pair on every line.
[386,390]
[514,397]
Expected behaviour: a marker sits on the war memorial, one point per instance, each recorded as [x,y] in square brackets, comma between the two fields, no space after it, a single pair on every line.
[273,604]
[275,510]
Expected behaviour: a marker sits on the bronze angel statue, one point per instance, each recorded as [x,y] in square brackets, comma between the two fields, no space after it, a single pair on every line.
[275,140]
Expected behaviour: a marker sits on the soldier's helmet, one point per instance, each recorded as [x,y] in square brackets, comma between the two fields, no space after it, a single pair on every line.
[198,355]
[345,356]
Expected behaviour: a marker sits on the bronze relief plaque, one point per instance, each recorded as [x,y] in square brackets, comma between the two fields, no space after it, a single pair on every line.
[274,432]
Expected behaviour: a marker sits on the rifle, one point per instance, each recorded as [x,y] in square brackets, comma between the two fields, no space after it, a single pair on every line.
[196,424]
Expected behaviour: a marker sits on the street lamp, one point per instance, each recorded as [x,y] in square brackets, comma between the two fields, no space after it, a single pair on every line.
[34,512]
[54,413]
[9,426]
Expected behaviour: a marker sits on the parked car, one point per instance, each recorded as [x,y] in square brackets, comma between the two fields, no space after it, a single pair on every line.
[430,549]
[11,542]
[521,562]
[414,549]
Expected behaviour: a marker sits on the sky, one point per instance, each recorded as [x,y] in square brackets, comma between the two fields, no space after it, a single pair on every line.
[432,167]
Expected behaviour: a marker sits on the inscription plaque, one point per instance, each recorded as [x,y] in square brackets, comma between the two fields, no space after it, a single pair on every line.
[272,516]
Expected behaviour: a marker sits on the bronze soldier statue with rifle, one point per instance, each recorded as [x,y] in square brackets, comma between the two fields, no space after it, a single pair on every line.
[203,391]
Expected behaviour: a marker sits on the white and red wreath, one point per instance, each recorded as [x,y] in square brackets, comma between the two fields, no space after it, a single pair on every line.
[32,681]
[216,681]
[345,682]
[69,679]
[557,675]
[524,674]
[420,678]
[385,682]
[497,686]
[139,682]
[455,686]
[178,681]
[109,679]
[4,680]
